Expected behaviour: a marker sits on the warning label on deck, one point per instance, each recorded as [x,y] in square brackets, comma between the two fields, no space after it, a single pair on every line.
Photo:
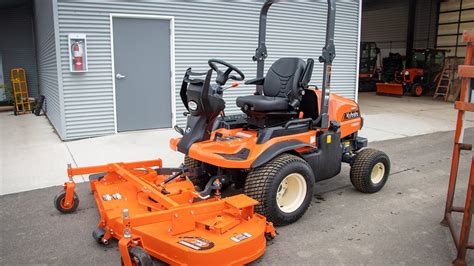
[241,237]
[196,243]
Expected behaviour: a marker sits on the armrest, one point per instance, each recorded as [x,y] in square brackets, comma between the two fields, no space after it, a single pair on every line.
[255,81]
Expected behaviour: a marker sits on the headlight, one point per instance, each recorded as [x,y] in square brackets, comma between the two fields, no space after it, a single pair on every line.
[407,73]
[193,106]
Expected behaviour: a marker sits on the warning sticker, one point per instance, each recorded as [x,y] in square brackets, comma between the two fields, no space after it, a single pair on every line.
[196,243]
[241,237]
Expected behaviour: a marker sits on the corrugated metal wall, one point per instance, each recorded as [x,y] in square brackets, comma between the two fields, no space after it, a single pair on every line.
[385,22]
[46,58]
[203,30]
[17,44]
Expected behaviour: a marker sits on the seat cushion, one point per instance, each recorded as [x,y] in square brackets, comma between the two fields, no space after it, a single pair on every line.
[283,77]
[261,103]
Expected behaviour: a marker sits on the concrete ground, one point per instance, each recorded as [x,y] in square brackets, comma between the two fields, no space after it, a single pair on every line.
[32,156]
[397,226]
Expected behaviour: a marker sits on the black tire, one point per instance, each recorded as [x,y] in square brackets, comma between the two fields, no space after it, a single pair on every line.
[413,91]
[361,170]
[139,257]
[263,183]
[58,202]
[98,235]
[199,181]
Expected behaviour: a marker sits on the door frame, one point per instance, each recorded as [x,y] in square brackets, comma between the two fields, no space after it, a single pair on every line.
[172,61]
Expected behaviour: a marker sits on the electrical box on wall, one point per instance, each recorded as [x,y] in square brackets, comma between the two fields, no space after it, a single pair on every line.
[77,52]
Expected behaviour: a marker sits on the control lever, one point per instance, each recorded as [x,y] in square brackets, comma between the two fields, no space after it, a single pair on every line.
[233,85]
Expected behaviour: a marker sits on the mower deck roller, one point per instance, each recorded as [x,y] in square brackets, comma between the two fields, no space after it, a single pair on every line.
[169,221]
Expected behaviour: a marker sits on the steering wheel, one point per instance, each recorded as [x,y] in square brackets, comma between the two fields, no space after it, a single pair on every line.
[222,77]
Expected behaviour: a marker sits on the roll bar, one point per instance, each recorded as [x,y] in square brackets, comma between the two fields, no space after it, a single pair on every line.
[326,57]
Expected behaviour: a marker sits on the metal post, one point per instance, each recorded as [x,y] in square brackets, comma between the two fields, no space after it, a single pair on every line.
[410,32]
[261,51]
[329,52]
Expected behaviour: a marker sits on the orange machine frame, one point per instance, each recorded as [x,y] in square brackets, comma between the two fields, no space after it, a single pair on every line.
[208,151]
[143,215]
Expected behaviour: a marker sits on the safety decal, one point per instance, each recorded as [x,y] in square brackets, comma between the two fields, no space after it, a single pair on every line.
[196,243]
[241,237]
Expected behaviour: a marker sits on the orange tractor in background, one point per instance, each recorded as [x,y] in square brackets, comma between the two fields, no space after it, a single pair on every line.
[289,136]
[420,77]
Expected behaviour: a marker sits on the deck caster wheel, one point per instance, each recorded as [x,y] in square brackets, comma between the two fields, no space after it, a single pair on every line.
[370,170]
[139,257]
[60,205]
[98,234]
[283,187]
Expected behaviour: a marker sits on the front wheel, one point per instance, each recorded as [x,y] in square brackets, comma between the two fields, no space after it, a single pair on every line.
[199,181]
[283,187]
[416,90]
[370,170]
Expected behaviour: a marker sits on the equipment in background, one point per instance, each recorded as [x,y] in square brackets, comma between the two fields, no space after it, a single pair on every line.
[465,104]
[446,79]
[369,67]
[290,136]
[419,78]
[20,91]
[391,65]
[39,105]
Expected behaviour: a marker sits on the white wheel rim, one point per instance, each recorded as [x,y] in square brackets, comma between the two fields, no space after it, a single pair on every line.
[291,193]
[378,171]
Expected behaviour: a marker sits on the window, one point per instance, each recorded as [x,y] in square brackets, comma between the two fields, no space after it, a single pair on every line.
[455,16]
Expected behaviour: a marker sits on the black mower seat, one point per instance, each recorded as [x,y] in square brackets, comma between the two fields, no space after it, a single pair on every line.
[261,103]
[282,80]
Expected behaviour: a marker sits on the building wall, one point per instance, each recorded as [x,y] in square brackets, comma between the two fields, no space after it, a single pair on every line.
[203,30]
[47,63]
[17,44]
[385,22]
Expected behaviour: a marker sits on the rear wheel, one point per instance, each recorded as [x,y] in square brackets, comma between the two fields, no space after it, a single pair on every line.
[370,170]
[416,90]
[283,187]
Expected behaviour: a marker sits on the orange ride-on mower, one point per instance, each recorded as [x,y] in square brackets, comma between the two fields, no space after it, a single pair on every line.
[290,136]
[419,78]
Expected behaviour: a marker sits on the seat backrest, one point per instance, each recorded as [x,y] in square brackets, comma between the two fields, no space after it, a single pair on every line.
[283,77]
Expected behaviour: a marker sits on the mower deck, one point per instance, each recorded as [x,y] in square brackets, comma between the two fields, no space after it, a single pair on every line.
[169,221]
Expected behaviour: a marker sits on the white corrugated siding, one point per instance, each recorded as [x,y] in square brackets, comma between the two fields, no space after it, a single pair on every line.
[203,30]
[46,58]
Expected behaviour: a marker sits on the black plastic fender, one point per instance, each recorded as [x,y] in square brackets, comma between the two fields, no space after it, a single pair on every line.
[277,149]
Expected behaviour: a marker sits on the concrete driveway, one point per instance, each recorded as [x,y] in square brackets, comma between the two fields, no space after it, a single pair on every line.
[32,156]
[397,226]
